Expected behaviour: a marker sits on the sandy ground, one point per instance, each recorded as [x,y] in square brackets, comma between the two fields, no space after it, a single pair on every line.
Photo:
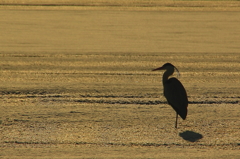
[133,5]
[77,83]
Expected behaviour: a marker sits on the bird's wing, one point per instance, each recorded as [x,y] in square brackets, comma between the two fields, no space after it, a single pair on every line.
[176,96]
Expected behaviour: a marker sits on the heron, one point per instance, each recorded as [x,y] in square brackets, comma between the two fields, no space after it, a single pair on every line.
[174,91]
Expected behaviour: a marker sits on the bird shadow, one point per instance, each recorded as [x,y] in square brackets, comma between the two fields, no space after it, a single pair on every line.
[191,136]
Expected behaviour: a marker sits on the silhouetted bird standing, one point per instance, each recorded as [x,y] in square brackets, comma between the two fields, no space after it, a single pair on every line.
[174,91]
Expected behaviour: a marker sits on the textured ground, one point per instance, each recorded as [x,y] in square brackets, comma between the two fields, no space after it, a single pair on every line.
[78,82]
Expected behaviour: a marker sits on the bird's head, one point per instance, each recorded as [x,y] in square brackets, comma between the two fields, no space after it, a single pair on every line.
[167,66]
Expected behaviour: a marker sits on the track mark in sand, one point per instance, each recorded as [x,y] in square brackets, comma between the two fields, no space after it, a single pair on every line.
[219,146]
[148,99]
[149,102]
[103,101]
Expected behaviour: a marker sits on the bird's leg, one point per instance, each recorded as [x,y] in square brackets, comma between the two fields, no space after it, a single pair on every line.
[176,121]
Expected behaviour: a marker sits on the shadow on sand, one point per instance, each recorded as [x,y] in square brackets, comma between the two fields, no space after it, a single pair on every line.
[190,136]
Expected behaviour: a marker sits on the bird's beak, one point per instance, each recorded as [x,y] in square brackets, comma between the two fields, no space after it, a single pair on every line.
[160,68]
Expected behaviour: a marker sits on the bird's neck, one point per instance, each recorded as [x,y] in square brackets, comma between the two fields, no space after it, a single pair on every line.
[166,75]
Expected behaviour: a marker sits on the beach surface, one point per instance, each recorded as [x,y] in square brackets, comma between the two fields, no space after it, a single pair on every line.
[76,79]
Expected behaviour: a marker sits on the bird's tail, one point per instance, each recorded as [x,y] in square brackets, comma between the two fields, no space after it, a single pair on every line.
[183,113]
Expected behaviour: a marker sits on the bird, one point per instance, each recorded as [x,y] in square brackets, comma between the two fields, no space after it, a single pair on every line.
[174,91]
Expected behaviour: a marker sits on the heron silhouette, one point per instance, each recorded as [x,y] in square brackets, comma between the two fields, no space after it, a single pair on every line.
[174,91]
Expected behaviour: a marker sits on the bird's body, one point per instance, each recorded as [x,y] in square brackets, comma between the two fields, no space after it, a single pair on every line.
[174,91]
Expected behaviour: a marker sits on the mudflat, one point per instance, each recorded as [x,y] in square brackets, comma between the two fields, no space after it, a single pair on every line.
[76,81]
